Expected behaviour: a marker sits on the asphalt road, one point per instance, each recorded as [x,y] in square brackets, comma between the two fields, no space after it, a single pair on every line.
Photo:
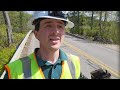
[106,57]
[88,52]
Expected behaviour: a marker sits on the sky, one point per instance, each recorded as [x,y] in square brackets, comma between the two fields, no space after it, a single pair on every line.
[111,17]
[30,12]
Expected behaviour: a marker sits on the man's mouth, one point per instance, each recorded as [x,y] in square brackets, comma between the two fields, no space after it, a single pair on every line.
[54,40]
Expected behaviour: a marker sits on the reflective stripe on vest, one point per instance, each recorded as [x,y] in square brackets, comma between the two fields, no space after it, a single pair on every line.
[71,66]
[26,63]
[76,61]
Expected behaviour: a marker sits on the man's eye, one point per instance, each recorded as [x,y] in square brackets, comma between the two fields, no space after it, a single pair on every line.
[48,26]
[60,26]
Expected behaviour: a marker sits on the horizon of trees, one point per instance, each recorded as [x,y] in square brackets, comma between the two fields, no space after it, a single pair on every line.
[96,25]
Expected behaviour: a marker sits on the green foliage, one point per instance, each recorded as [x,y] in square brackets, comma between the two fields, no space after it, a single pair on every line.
[3,36]
[109,31]
[18,37]
[19,21]
[5,55]
[6,52]
[1,18]
[114,32]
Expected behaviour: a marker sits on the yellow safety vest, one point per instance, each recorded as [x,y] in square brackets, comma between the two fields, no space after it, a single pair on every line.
[27,68]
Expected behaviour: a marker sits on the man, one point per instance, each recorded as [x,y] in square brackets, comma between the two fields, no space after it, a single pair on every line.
[48,61]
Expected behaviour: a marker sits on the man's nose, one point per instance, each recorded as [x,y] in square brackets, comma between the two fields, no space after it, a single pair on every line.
[55,31]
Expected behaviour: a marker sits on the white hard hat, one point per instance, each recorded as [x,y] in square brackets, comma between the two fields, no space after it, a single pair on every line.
[60,15]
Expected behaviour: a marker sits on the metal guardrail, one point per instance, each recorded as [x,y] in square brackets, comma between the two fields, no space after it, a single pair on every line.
[18,51]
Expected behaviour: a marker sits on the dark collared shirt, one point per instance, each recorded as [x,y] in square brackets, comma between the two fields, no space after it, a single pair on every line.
[52,71]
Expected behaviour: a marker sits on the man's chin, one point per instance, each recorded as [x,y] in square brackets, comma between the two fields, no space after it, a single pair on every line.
[55,47]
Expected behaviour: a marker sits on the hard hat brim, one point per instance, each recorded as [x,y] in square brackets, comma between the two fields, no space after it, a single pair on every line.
[68,25]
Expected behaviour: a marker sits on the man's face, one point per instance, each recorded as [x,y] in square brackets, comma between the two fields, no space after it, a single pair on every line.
[51,34]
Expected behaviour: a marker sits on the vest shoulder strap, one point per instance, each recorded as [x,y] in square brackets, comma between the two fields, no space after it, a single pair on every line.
[26,63]
[71,66]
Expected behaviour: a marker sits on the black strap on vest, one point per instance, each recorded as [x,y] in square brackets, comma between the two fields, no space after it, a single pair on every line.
[26,62]
[71,66]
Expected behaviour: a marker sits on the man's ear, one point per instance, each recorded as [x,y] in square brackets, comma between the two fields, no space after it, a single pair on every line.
[36,33]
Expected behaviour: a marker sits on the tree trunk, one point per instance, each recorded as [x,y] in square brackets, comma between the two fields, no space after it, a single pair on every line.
[21,18]
[105,19]
[78,23]
[82,22]
[9,28]
[74,21]
[100,23]
[92,20]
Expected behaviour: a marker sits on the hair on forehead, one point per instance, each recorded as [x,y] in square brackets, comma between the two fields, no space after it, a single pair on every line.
[35,22]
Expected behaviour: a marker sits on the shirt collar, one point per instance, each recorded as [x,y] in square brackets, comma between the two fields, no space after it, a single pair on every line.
[62,57]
